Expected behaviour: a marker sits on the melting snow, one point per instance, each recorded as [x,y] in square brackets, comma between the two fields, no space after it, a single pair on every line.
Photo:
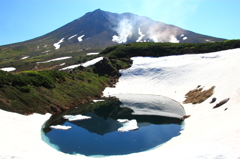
[185,38]
[57,45]
[72,37]
[100,100]
[182,35]
[76,117]
[61,127]
[8,69]
[80,38]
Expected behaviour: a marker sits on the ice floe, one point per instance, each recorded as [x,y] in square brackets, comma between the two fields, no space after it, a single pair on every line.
[76,117]
[8,69]
[80,38]
[61,127]
[128,125]
[57,45]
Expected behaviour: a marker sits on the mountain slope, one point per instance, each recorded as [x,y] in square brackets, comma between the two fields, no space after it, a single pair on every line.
[93,32]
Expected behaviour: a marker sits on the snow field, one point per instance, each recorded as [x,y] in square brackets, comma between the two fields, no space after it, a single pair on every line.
[208,133]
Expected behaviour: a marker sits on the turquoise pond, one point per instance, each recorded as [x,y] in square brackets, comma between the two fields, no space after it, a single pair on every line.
[99,135]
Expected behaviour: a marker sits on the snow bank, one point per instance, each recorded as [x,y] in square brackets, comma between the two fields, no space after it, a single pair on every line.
[128,125]
[57,45]
[208,133]
[76,117]
[8,69]
[99,100]
[61,127]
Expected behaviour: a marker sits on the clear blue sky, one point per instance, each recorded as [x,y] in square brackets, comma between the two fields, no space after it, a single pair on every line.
[22,20]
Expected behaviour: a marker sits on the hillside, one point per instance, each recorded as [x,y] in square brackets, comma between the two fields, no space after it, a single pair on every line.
[92,32]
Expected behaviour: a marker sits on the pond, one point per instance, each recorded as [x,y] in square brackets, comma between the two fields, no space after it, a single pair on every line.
[115,126]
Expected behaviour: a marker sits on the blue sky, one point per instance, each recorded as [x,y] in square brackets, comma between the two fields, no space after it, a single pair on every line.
[22,20]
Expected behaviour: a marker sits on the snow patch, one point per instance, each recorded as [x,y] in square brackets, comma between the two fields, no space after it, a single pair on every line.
[70,67]
[72,37]
[92,62]
[93,53]
[57,45]
[60,127]
[80,38]
[99,100]
[128,125]
[56,59]
[8,69]
[62,64]
[182,35]
[185,38]
[25,57]
[76,117]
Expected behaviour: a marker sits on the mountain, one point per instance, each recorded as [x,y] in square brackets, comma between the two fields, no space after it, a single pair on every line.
[92,33]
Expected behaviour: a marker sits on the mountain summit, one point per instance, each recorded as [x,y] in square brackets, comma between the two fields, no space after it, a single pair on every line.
[101,29]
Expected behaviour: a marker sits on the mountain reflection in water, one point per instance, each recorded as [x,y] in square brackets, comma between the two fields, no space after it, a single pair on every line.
[99,135]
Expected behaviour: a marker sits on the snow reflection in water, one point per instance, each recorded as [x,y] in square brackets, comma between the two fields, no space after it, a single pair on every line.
[102,133]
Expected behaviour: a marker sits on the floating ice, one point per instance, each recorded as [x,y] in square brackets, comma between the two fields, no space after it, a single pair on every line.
[61,127]
[57,45]
[80,38]
[128,125]
[76,117]
[8,69]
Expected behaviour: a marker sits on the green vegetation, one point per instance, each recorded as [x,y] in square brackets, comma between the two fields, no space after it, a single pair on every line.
[53,91]
[165,49]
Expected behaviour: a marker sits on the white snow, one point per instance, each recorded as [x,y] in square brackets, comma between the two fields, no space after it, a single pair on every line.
[99,100]
[80,38]
[92,62]
[185,38]
[25,57]
[141,35]
[8,69]
[76,117]
[62,64]
[182,35]
[60,127]
[128,125]
[72,37]
[86,64]
[57,45]
[208,133]
[93,53]
[56,59]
